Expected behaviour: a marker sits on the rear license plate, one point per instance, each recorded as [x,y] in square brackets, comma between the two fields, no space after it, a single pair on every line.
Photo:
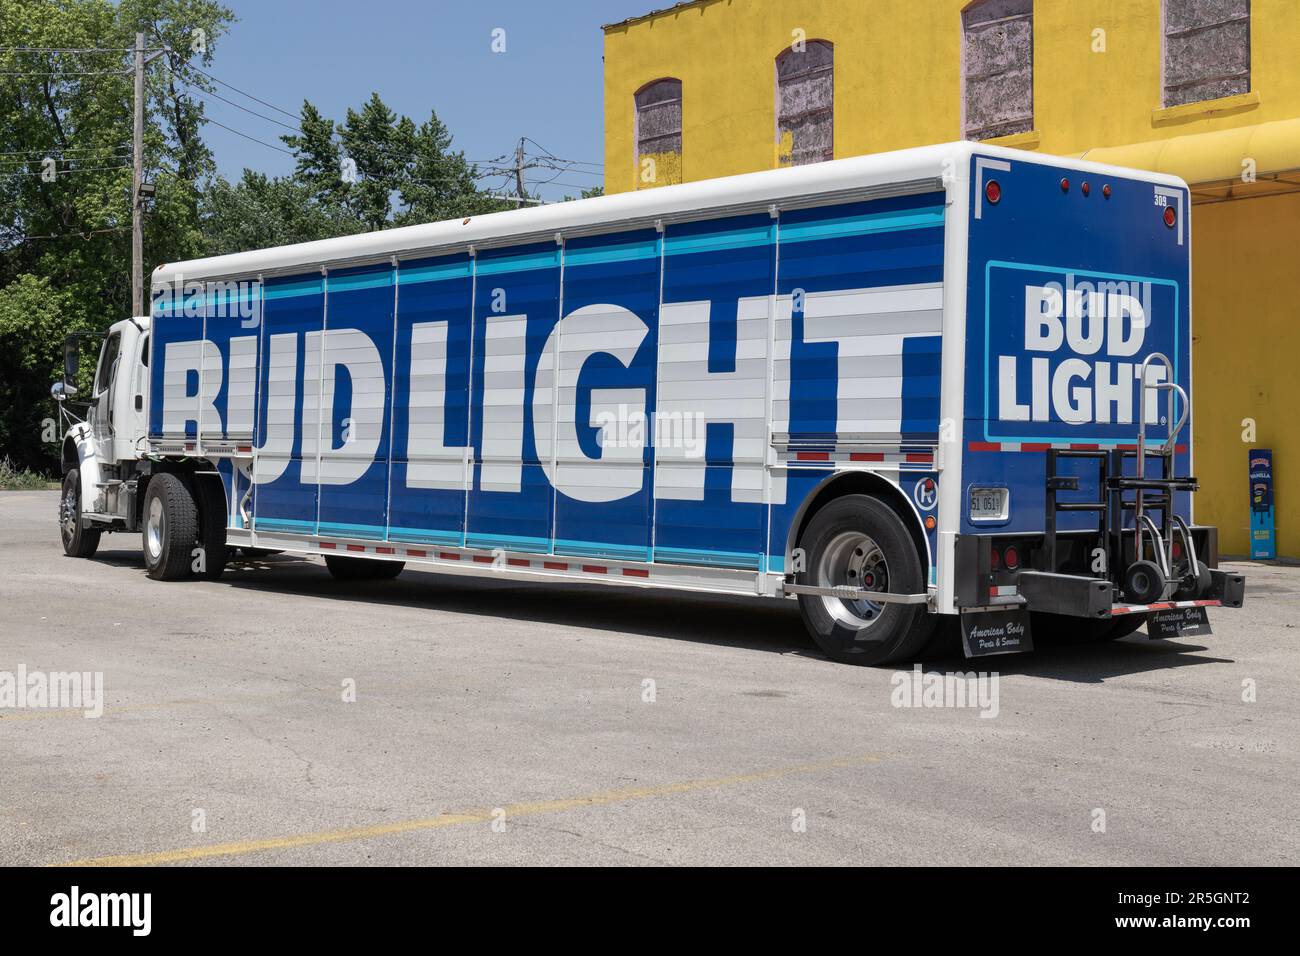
[988,504]
[984,633]
[1178,622]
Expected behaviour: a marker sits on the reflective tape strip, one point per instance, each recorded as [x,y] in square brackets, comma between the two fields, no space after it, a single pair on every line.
[1060,446]
[1161,606]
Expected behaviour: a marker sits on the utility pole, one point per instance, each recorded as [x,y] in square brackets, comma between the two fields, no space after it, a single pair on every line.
[519,171]
[137,179]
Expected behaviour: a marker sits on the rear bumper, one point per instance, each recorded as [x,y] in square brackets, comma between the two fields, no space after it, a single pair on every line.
[981,585]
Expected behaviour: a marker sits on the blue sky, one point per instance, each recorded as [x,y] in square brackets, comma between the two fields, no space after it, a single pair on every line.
[421,55]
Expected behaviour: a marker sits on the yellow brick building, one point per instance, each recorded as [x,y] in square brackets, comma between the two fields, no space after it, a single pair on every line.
[1205,89]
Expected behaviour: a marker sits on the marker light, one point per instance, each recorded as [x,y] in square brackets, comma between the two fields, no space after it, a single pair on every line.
[1086,188]
[1105,190]
[1065,185]
[992,192]
[1171,217]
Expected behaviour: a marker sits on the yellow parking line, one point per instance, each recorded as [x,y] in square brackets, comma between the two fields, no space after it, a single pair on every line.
[348,834]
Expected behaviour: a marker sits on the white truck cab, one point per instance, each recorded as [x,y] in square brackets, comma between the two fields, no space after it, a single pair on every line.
[110,477]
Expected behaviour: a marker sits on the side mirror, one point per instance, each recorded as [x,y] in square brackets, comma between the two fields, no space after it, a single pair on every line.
[62,391]
[71,360]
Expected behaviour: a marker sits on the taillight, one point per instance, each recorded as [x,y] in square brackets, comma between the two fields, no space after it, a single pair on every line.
[1011,557]
[995,558]
[992,192]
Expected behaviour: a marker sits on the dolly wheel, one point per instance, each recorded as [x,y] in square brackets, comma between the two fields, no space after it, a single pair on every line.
[1198,588]
[1144,582]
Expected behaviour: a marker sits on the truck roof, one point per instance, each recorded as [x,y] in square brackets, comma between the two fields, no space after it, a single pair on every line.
[916,170]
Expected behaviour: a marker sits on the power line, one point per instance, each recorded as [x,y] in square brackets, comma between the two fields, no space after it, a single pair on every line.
[56,49]
[230,129]
[67,149]
[547,154]
[242,93]
[556,182]
[41,160]
[70,73]
[206,93]
[77,235]
[68,172]
[22,166]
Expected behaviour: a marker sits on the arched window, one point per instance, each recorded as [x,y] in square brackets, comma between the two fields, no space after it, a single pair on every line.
[805,103]
[1206,50]
[997,68]
[658,133]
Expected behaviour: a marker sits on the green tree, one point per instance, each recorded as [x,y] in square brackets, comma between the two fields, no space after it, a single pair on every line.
[65,178]
[383,170]
[441,183]
[34,319]
[258,212]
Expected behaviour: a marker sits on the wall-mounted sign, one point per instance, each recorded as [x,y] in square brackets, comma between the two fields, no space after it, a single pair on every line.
[1263,541]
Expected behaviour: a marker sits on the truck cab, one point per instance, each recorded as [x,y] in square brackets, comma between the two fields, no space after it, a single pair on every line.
[108,468]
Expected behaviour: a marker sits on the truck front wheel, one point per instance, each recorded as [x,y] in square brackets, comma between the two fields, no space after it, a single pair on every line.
[170,528]
[859,542]
[78,540]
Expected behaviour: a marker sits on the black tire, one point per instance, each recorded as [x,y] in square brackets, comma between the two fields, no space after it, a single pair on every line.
[169,528]
[210,491]
[362,569]
[1062,629]
[1125,625]
[861,632]
[1198,588]
[78,541]
[1144,582]
[945,639]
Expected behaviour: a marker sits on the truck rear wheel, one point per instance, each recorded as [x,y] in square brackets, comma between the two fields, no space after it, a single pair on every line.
[211,493]
[858,541]
[362,569]
[78,541]
[170,528]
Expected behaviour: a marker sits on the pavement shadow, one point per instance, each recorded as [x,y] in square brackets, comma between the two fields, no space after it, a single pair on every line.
[1086,663]
[698,618]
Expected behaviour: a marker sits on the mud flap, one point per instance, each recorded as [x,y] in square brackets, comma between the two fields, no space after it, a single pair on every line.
[985,633]
[1178,622]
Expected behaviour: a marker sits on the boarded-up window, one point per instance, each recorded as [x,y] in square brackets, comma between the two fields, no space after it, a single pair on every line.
[659,134]
[998,68]
[805,104]
[1207,49]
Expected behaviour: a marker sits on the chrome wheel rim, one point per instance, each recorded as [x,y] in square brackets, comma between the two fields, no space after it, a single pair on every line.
[68,511]
[854,560]
[153,529]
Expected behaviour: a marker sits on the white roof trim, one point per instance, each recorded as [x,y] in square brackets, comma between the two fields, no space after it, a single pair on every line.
[689,200]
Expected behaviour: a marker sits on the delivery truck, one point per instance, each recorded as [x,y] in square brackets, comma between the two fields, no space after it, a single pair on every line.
[946,389]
